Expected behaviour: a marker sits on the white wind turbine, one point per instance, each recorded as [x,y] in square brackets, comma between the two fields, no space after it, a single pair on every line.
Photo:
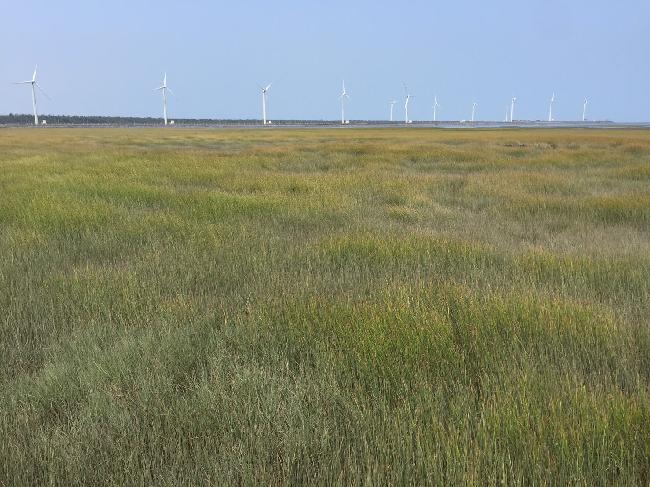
[343,97]
[406,104]
[265,94]
[35,85]
[435,107]
[550,108]
[164,88]
[392,104]
[584,110]
[512,108]
[474,105]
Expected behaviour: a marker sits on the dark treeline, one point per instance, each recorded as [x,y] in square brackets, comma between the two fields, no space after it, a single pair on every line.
[25,119]
[91,120]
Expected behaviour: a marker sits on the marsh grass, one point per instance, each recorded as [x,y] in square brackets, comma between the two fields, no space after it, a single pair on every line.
[332,307]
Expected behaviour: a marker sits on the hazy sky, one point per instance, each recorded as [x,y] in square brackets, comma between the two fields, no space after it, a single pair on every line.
[104,58]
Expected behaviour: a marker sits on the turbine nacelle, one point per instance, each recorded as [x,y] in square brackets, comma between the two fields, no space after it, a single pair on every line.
[344,93]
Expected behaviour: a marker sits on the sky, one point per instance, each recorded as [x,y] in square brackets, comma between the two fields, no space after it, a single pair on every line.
[105,58]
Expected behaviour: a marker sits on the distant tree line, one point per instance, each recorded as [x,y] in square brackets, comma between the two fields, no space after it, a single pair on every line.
[28,119]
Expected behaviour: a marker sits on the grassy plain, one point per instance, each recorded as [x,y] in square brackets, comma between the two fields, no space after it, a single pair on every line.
[328,306]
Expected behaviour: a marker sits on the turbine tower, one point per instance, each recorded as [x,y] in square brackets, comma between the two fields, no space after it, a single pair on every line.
[584,110]
[474,105]
[344,95]
[550,108]
[265,94]
[512,108]
[435,107]
[164,88]
[35,85]
[406,104]
[392,103]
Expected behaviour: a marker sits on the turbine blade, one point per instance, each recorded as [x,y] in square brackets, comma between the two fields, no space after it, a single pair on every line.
[268,87]
[170,91]
[22,82]
[34,75]
[42,91]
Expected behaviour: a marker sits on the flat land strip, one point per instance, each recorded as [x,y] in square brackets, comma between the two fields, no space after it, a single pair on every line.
[379,306]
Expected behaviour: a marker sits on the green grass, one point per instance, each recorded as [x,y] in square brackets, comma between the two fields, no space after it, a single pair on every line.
[351,307]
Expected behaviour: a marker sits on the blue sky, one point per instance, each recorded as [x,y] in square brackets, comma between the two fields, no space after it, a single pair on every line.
[104,58]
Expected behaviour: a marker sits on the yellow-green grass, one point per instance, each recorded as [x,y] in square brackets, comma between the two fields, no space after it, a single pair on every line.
[324,306]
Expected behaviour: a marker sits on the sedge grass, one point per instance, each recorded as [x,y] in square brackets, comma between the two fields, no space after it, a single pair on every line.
[333,307]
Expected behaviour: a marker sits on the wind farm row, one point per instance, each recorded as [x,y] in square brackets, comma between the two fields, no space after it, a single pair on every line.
[344,97]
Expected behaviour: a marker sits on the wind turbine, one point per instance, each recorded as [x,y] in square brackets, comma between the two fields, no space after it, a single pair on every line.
[474,105]
[344,95]
[164,88]
[35,85]
[406,104]
[584,110]
[392,103]
[550,108]
[265,94]
[435,107]
[512,108]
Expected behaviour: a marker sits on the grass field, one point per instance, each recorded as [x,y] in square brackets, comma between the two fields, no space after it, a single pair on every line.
[332,306]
